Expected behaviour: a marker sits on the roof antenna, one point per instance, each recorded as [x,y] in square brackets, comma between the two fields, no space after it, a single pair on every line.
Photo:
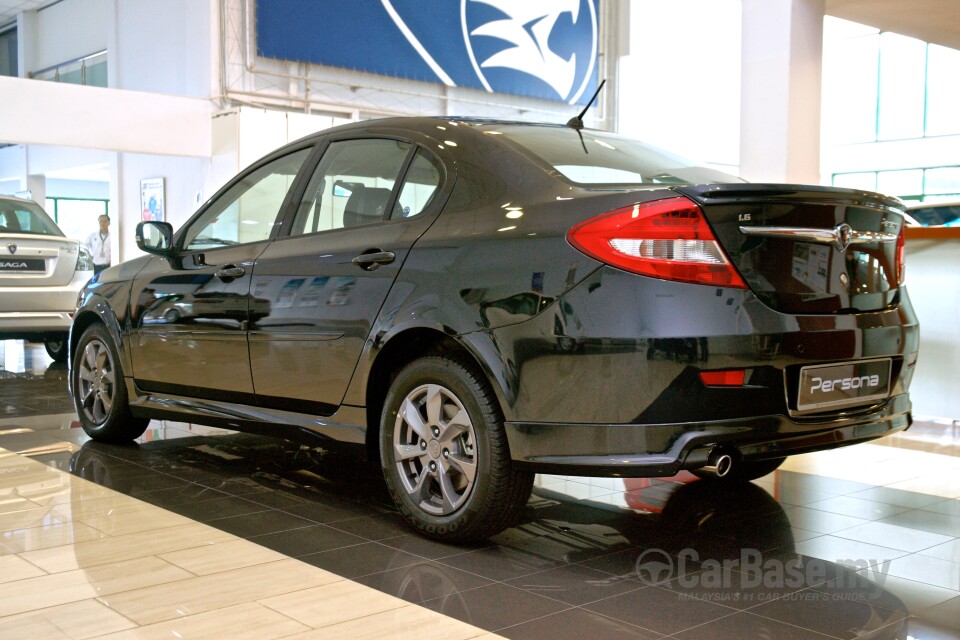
[577,121]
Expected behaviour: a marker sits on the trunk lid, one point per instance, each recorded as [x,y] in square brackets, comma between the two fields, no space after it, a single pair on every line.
[807,249]
[29,260]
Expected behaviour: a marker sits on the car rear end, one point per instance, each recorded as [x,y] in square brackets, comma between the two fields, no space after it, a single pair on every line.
[749,321]
[41,273]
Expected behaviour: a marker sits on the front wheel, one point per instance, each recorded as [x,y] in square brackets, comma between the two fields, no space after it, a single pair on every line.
[444,452]
[57,347]
[99,390]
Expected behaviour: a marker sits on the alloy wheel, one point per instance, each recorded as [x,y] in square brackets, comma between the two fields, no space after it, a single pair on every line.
[435,449]
[97,381]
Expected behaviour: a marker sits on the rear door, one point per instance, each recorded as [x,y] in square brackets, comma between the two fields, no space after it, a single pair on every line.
[191,310]
[317,290]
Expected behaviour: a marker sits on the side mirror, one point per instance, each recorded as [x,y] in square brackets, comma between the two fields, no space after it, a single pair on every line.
[155,237]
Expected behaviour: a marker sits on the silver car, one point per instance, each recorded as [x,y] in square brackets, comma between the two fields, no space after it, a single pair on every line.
[41,274]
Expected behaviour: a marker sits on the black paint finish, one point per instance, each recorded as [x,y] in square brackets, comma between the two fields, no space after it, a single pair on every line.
[596,370]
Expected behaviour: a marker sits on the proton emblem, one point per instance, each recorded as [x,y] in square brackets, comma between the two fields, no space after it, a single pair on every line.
[844,235]
[12,248]
[545,40]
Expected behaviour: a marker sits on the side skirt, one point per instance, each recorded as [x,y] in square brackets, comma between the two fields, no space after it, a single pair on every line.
[345,429]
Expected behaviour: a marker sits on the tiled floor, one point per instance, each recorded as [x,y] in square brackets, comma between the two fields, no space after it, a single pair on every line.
[199,532]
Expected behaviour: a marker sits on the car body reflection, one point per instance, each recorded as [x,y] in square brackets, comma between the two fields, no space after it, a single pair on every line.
[604,545]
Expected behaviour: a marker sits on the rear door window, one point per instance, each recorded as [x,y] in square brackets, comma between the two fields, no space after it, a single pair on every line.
[353,185]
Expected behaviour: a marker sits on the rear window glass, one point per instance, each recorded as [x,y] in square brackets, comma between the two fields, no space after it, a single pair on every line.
[596,157]
[26,217]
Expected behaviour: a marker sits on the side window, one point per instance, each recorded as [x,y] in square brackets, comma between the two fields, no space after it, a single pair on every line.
[419,186]
[351,186]
[248,210]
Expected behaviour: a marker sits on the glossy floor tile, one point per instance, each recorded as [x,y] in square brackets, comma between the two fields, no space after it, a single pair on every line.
[200,532]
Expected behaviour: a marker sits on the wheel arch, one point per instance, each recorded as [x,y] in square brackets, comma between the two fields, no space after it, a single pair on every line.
[399,350]
[98,311]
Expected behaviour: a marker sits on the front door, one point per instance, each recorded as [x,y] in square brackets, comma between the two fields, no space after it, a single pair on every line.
[317,291]
[191,310]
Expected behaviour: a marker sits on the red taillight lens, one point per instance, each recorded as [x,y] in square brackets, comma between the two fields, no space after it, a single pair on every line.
[901,251]
[731,378]
[667,239]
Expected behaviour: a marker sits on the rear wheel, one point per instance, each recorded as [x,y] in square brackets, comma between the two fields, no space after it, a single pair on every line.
[99,391]
[744,471]
[444,452]
[57,347]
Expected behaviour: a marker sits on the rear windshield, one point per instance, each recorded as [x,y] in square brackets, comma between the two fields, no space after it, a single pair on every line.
[596,157]
[26,217]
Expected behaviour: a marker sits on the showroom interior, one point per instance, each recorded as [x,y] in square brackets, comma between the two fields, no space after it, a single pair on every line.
[197,531]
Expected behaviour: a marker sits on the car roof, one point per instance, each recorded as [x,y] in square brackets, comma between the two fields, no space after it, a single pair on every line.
[429,124]
[13,198]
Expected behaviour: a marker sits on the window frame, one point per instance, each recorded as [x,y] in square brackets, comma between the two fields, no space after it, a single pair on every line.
[293,194]
[286,227]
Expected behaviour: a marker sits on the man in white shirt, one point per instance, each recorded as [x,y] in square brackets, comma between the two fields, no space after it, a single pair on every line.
[98,243]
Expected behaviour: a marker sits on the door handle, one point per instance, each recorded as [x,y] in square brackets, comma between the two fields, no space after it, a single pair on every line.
[229,273]
[371,261]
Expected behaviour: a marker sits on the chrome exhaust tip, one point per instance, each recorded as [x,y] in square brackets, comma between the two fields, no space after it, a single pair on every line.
[718,465]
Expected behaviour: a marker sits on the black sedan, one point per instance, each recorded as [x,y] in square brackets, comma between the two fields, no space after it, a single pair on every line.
[474,301]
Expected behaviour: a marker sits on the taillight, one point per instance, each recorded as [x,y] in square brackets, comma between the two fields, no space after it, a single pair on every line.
[901,252]
[667,239]
[728,378]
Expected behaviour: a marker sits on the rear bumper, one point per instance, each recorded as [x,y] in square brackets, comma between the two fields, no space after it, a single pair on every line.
[26,312]
[27,324]
[656,450]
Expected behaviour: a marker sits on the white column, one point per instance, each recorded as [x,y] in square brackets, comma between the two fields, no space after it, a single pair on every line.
[782,51]
[116,210]
[26,42]
[37,186]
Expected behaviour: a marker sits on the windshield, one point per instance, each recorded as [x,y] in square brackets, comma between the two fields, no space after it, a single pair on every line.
[596,157]
[26,217]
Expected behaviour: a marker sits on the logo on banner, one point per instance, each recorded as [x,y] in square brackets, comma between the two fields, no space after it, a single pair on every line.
[511,43]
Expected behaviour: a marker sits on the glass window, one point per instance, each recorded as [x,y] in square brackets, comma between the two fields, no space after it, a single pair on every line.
[419,186]
[26,217]
[77,218]
[902,81]
[943,91]
[850,89]
[248,211]
[90,70]
[900,183]
[8,53]
[595,157]
[351,186]
[942,180]
[866,180]
[95,70]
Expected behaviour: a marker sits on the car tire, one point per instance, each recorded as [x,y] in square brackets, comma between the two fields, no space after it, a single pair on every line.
[744,471]
[99,390]
[444,452]
[57,347]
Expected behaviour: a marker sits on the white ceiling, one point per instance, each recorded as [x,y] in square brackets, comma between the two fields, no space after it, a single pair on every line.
[10,8]
[936,21]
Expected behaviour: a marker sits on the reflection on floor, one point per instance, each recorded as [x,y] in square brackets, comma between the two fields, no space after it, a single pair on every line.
[200,531]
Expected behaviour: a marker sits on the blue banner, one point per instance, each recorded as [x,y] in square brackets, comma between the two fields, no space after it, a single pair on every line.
[538,48]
